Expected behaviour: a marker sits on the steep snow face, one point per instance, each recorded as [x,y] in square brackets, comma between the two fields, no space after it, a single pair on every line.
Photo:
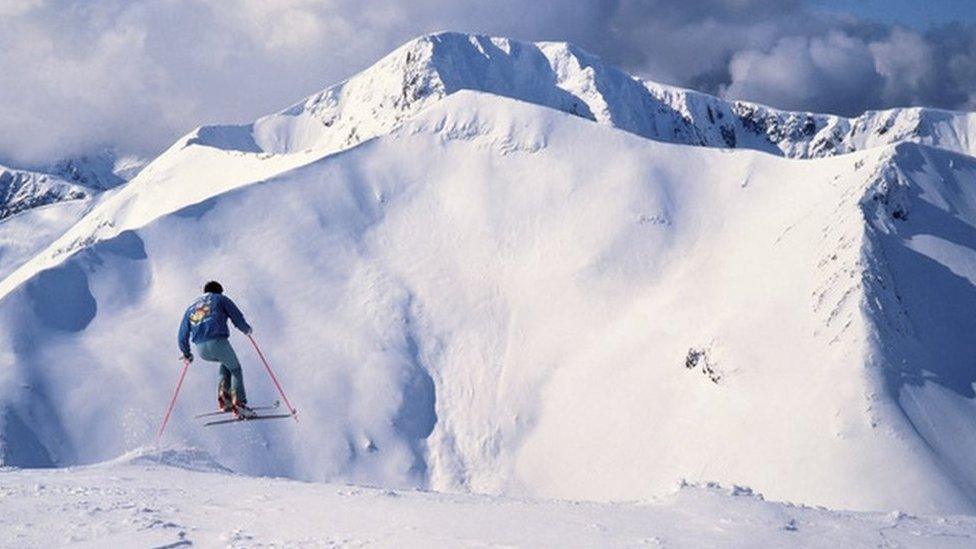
[920,271]
[564,77]
[501,298]
[712,122]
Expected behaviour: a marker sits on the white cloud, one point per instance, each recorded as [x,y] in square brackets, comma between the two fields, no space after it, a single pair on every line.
[11,8]
[136,74]
[835,72]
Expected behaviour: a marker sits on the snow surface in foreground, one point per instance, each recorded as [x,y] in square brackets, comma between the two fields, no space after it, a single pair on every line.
[181,497]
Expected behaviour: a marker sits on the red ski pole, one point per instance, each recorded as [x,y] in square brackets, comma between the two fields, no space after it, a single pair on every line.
[292,410]
[159,435]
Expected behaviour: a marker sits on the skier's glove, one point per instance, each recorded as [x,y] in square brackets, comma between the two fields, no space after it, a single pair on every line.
[249,331]
[188,357]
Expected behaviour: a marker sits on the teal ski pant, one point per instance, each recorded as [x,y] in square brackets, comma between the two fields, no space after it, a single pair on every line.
[231,378]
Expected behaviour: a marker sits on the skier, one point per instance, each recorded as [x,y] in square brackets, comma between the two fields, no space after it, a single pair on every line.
[205,323]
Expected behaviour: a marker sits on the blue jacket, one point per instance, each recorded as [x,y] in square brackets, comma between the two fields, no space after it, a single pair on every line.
[206,319]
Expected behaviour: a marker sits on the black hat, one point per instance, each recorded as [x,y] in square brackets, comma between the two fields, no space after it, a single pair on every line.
[213,287]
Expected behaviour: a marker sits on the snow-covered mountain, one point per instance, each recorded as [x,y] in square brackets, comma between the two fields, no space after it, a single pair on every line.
[38,205]
[35,209]
[103,170]
[64,180]
[564,77]
[22,190]
[466,284]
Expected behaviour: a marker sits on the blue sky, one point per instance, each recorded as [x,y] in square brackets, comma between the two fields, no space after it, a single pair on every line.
[918,14]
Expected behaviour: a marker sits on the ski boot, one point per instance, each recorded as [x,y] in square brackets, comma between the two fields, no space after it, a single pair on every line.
[243,411]
[224,401]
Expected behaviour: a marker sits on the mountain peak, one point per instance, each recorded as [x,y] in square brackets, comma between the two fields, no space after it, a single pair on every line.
[565,77]
[502,251]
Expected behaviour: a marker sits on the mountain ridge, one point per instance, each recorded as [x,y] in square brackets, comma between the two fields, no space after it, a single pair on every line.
[498,296]
[477,324]
[563,76]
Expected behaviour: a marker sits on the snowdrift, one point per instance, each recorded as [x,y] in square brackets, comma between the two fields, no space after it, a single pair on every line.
[177,457]
[504,298]
[150,504]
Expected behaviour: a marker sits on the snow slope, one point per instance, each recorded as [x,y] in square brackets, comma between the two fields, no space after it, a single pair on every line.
[176,498]
[567,78]
[552,74]
[35,209]
[500,297]
[39,205]
[26,234]
[918,291]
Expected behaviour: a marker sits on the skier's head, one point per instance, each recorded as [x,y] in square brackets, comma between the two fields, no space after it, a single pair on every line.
[213,287]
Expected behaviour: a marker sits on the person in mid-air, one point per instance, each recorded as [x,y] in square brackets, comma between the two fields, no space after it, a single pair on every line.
[205,323]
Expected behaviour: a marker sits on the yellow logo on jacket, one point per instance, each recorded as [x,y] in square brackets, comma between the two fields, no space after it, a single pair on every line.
[200,314]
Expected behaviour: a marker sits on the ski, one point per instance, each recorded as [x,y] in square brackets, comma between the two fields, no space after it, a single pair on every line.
[221,412]
[238,419]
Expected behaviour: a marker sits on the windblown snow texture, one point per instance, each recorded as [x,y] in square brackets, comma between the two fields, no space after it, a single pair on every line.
[176,497]
[467,284]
